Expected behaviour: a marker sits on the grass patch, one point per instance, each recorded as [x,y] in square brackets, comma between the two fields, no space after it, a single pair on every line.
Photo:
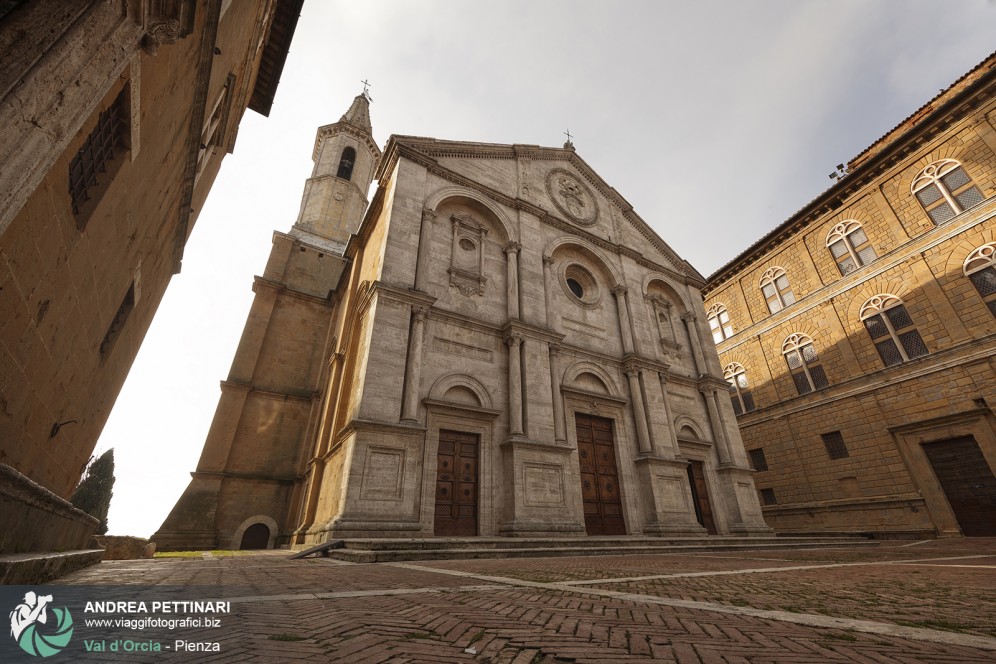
[840,636]
[285,637]
[936,624]
[418,635]
[477,637]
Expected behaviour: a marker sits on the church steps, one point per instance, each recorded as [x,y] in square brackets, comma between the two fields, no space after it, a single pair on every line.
[395,550]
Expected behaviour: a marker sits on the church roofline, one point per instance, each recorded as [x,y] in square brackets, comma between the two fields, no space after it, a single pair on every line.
[951,105]
[424,150]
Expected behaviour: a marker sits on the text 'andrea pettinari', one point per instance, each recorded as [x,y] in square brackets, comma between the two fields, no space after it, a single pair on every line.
[172,606]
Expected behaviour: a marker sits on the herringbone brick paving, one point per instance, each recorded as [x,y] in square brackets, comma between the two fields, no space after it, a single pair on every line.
[446,611]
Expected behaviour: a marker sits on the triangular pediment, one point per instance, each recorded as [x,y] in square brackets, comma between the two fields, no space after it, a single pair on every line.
[555,184]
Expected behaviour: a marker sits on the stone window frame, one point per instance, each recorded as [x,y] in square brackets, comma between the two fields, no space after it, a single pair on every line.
[757,459]
[591,293]
[740,395]
[346,163]
[768,496]
[215,126]
[804,363]
[721,329]
[980,268]
[100,157]
[468,236]
[848,251]
[944,190]
[833,442]
[891,329]
[775,289]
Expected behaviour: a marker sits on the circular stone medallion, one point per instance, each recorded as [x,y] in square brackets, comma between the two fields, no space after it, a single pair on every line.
[572,197]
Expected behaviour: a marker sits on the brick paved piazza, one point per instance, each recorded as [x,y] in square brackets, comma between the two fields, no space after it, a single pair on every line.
[899,602]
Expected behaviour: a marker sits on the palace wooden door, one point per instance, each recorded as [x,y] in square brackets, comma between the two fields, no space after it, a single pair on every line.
[456,484]
[599,476]
[968,483]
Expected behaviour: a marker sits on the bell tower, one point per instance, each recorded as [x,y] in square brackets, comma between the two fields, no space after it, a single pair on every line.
[335,196]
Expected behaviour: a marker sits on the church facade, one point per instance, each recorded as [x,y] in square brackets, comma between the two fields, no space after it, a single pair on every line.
[495,345]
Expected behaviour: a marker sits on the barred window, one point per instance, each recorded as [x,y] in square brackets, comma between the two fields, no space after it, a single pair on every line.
[834,443]
[741,397]
[945,190]
[804,363]
[91,168]
[719,322]
[768,497]
[215,127]
[849,246]
[891,329]
[757,460]
[980,268]
[775,287]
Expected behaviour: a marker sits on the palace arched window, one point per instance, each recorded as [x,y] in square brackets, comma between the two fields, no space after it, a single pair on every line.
[775,288]
[719,322]
[740,395]
[849,246]
[980,268]
[804,364]
[346,164]
[891,329]
[945,190]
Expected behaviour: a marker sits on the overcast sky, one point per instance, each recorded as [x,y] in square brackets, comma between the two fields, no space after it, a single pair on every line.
[715,120]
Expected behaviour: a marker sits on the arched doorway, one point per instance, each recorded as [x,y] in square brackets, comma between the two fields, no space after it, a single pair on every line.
[256,536]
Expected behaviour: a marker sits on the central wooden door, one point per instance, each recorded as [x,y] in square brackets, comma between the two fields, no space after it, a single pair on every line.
[599,477]
[456,484]
[700,496]
[968,483]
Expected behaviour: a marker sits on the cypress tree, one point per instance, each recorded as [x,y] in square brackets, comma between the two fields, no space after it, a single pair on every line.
[93,495]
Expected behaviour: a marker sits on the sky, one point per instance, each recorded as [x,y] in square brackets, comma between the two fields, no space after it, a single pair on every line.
[716,120]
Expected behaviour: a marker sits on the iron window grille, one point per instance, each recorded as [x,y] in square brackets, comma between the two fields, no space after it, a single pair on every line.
[775,288]
[834,444]
[980,268]
[719,322]
[804,364]
[89,168]
[944,190]
[849,246]
[743,401]
[757,460]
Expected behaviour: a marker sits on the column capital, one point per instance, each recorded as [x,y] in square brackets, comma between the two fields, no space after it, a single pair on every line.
[513,339]
[548,260]
[554,349]
[619,290]
[512,248]
[689,317]
[420,313]
[428,215]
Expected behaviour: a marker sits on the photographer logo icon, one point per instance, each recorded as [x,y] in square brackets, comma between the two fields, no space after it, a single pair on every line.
[30,626]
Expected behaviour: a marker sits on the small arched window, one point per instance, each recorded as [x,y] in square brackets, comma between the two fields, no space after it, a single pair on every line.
[891,329]
[719,322]
[849,246]
[980,268]
[775,287]
[740,395]
[945,190]
[346,164]
[804,363]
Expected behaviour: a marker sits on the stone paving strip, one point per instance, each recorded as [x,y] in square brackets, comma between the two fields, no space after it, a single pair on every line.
[870,627]
[474,610]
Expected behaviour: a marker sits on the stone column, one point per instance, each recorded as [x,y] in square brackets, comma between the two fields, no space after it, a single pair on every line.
[514,342]
[547,288]
[671,447]
[327,428]
[718,430]
[424,246]
[413,365]
[626,329]
[693,336]
[639,410]
[559,423]
[512,279]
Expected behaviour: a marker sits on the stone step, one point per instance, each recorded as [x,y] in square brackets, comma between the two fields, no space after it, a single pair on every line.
[30,569]
[372,551]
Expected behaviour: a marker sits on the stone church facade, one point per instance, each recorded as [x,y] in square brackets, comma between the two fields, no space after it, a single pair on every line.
[859,335]
[495,345]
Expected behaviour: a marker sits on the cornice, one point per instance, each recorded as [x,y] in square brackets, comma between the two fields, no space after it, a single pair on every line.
[277,287]
[344,127]
[893,156]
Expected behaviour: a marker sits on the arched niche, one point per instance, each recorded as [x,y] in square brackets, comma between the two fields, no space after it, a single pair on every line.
[568,250]
[589,377]
[461,389]
[258,519]
[475,202]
